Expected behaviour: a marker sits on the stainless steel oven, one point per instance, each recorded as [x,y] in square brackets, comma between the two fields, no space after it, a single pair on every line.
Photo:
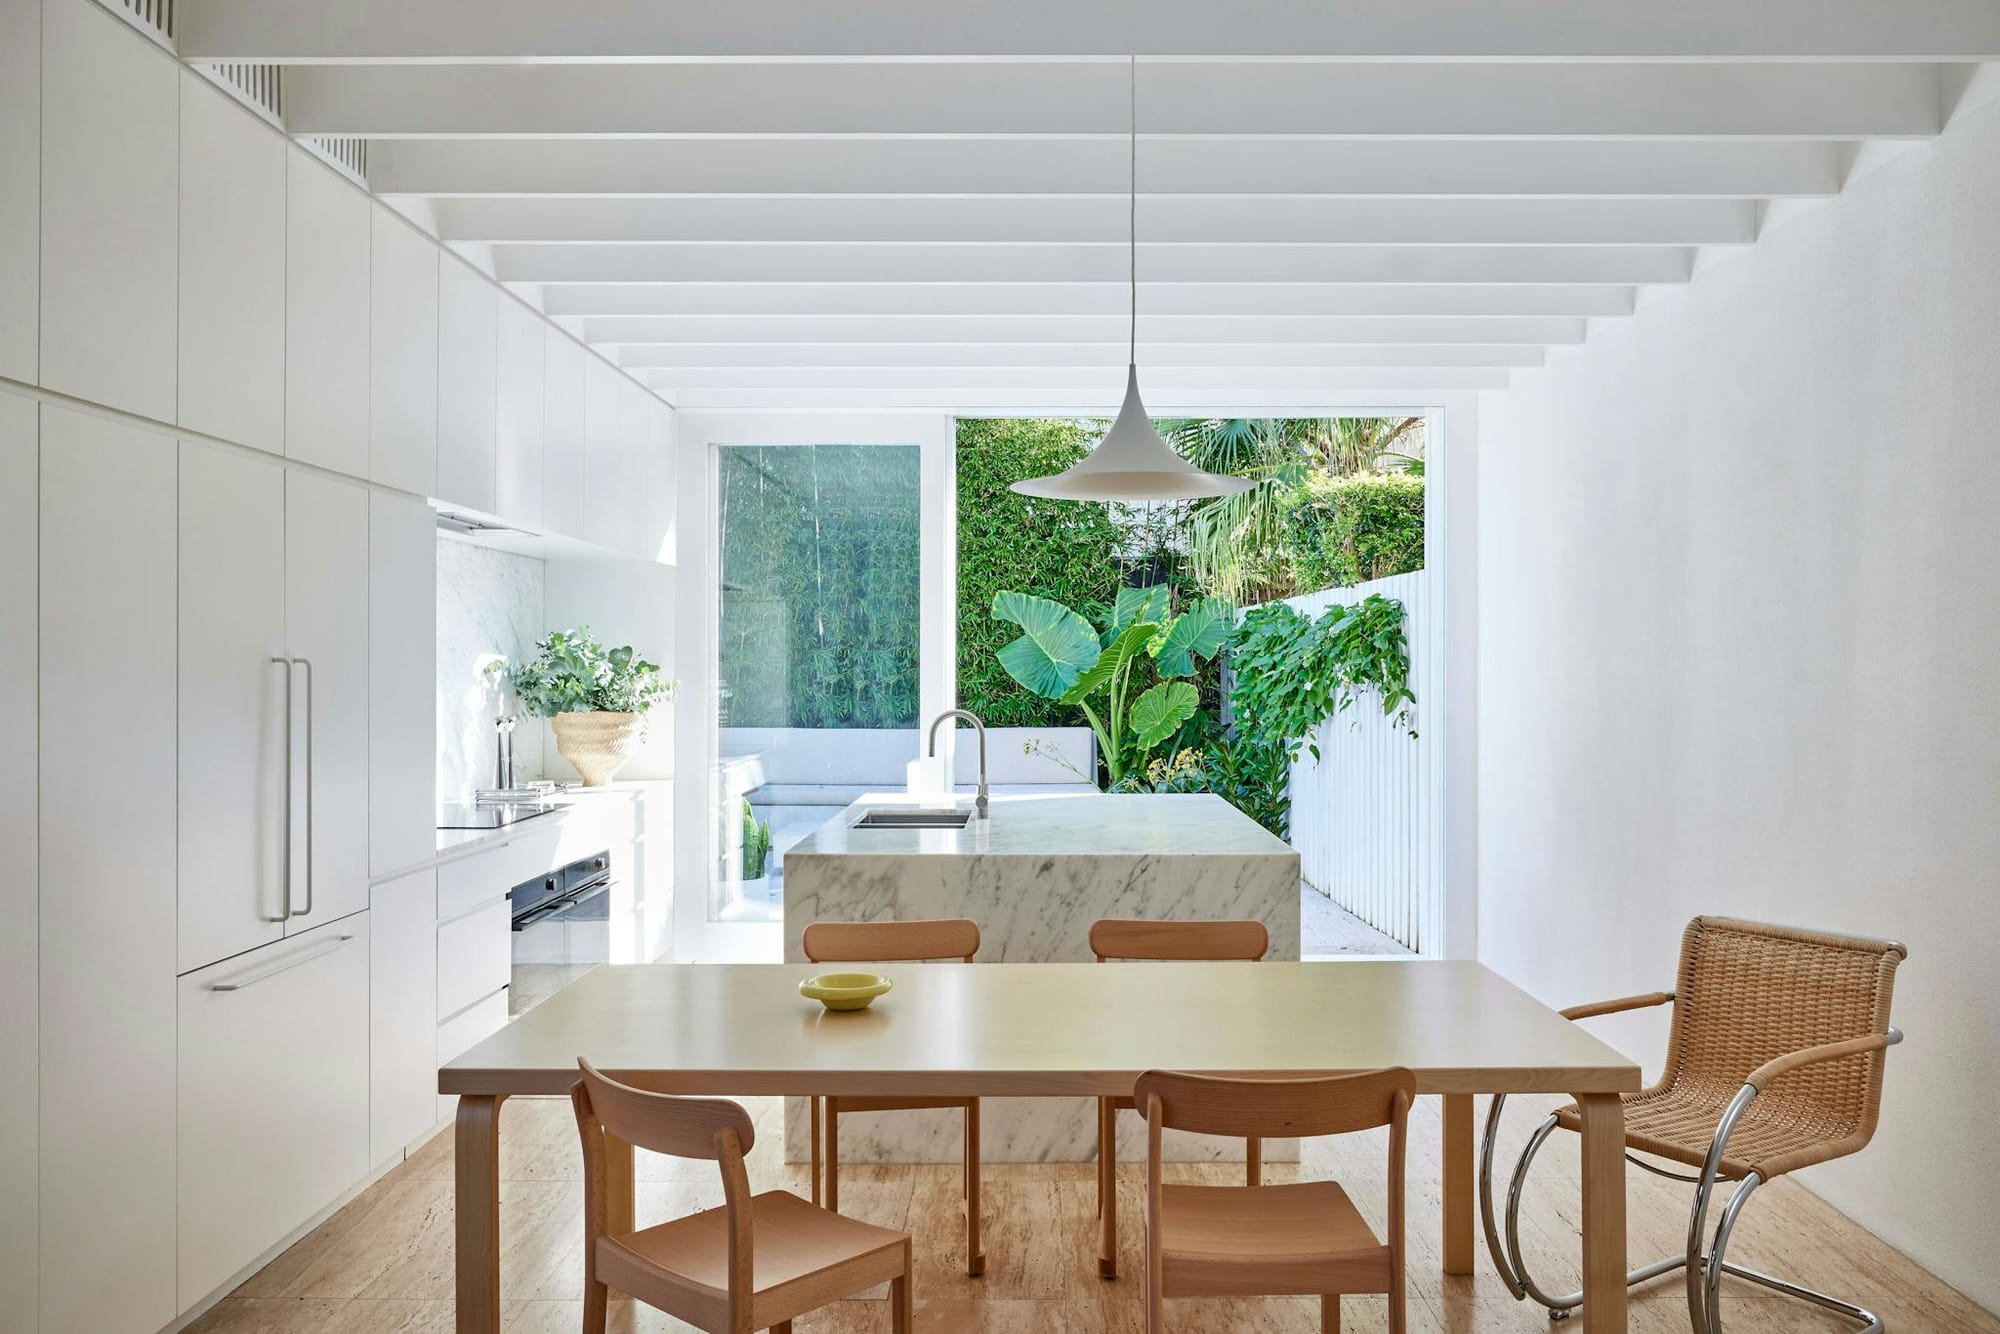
[562,928]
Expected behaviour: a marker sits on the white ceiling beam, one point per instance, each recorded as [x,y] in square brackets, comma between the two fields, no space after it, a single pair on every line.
[1076,299]
[1618,265]
[826,355]
[626,30]
[1328,398]
[1839,101]
[1728,169]
[1041,220]
[1102,384]
[667,331]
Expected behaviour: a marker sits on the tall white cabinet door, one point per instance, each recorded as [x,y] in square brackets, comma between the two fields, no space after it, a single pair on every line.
[402,683]
[402,1014]
[19,892]
[606,426]
[273,1096]
[107,873]
[468,326]
[326,624]
[110,121]
[232,270]
[520,424]
[656,467]
[326,317]
[232,703]
[403,356]
[21,201]
[562,433]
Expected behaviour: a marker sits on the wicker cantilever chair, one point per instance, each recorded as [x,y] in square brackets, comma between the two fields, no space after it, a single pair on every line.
[1774,1063]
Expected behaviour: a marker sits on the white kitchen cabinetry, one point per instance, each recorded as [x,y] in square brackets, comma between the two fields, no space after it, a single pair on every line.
[607,430]
[109,165]
[326,317]
[275,565]
[520,424]
[273,1097]
[326,626]
[19,891]
[468,328]
[232,270]
[402,1022]
[232,703]
[562,433]
[402,683]
[657,468]
[403,355]
[107,873]
[21,201]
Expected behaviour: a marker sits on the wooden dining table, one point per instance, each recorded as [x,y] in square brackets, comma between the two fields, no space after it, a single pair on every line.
[1050,1030]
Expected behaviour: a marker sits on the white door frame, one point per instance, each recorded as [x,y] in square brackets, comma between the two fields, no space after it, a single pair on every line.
[697,615]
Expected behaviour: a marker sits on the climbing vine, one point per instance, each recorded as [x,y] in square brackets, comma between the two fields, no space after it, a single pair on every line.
[1290,672]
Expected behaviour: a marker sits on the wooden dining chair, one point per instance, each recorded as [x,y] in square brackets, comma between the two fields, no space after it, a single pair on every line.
[1775,1062]
[1124,938]
[936,940]
[756,1262]
[1303,1238]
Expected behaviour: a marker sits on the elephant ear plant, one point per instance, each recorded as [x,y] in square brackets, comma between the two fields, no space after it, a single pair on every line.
[595,698]
[1103,668]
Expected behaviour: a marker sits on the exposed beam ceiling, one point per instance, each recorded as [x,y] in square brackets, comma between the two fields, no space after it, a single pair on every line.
[906,203]
[1477,30]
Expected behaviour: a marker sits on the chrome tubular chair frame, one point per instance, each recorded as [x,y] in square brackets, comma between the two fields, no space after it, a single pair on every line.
[1704,1269]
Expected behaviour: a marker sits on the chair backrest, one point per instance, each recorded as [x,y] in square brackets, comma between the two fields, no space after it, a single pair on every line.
[1276,1108]
[1134,938]
[663,1122]
[1749,992]
[892,942]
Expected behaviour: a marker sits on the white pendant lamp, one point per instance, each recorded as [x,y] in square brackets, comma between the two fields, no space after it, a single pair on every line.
[1132,463]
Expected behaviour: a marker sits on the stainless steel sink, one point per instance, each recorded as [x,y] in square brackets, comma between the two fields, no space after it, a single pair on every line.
[905,817]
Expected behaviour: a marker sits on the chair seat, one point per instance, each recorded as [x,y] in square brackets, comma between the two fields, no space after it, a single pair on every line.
[1775,1136]
[1305,1237]
[844,1104]
[797,1242]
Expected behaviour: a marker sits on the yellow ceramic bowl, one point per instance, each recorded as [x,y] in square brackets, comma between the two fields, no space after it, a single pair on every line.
[845,991]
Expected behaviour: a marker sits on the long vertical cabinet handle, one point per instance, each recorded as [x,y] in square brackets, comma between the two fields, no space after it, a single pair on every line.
[286,840]
[307,664]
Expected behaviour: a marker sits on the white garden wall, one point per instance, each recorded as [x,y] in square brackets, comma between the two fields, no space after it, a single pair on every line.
[1738,645]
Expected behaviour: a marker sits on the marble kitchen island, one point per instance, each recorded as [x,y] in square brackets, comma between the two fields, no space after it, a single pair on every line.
[1034,876]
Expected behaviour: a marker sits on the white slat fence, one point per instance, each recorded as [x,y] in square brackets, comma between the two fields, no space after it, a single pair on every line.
[1367,816]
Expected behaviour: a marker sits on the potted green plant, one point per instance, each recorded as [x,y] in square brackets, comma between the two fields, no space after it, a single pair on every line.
[596,699]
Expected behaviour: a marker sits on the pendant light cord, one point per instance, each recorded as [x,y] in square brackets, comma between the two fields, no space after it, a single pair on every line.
[1132,221]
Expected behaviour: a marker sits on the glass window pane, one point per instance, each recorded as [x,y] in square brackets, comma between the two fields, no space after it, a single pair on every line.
[819,650]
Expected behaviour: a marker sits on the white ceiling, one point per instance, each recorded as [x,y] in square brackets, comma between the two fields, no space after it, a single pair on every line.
[913,203]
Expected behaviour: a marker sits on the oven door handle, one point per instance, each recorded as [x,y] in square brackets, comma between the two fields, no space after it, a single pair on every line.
[541,910]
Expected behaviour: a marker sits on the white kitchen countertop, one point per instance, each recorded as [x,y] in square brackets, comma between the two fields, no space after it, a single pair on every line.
[1024,825]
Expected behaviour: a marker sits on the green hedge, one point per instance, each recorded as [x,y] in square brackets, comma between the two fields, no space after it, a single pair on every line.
[1051,548]
[1344,531]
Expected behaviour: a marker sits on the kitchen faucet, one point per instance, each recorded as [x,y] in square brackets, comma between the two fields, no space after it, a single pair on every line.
[978,727]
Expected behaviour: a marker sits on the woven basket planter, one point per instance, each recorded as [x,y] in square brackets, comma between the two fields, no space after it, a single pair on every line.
[597,744]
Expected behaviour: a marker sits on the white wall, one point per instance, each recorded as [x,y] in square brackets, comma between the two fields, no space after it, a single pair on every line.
[1739,571]
[623,602]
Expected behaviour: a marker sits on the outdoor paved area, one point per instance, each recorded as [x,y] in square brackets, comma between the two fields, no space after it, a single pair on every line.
[1326,929]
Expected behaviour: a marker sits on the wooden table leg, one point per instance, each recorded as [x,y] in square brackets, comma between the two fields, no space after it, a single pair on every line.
[477,1212]
[1107,1189]
[618,1185]
[975,1248]
[1458,1183]
[1603,1213]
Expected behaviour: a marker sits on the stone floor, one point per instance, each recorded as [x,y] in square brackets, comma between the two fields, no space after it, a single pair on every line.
[1327,930]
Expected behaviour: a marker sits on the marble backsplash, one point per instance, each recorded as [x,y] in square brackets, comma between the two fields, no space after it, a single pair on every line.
[490,605]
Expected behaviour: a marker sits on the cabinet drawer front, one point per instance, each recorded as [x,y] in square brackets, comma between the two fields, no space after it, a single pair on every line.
[487,875]
[475,957]
[461,1032]
[273,1103]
